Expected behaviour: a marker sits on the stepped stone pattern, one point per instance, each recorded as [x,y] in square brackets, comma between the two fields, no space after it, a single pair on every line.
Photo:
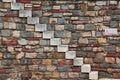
[59,40]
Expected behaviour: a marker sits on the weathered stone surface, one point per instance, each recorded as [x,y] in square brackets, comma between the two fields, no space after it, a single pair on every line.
[83,41]
[70,55]
[44,42]
[78,61]
[23,42]
[86,68]
[62,48]
[93,75]
[25,13]
[55,41]
[48,34]
[33,20]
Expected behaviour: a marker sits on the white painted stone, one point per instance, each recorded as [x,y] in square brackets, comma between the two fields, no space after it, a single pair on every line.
[17,6]
[25,13]
[40,27]
[101,3]
[111,31]
[55,41]
[78,61]
[70,54]
[48,34]
[93,75]
[32,20]
[86,68]
[62,48]
[9,0]
[23,42]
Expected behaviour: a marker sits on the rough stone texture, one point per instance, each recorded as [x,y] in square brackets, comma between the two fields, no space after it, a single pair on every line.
[59,40]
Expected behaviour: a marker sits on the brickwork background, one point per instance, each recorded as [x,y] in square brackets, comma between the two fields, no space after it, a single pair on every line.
[59,40]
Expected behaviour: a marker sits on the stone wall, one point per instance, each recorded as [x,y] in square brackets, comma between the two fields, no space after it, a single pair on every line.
[59,40]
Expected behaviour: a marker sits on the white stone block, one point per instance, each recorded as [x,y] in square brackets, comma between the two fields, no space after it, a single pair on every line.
[17,6]
[78,61]
[32,20]
[40,27]
[25,13]
[48,34]
[93,75]
[86,68]
[23,42]
[111,31]
[55,41]
[70,54]
[8,0]
[100,3]
[62,48]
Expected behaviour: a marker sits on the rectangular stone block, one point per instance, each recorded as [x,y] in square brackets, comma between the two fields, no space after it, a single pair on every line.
[25,13]
[78,61]
[5,33]
[32,20]
[93,75]
[8,0]
[62,48]
[31,55]
[48,34]
[17,6]
[70,54]
[40,27]
[23,1]
[55,41]
[9,25]
[86,68]
[111,31]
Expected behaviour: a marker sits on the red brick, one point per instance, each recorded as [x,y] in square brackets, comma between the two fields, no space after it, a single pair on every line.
[61,11]
[11,15]
[36,9]
[27,50]
[113,54]
[23,1]
[109,7]
[33,39]
[65,63]
[10,43]
[99,69]
[76,69]
[2,71]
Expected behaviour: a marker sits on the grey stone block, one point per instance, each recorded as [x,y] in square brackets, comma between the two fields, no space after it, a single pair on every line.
[60,34]
[17,6]
[1,25]
[25,61]
[40,27]
[87,48]
[20,27]
[25,13]
[110,48]
[63,69]
[44,42]
[5,33]
[98,34]
[77,13]
[64,7]
[9,56]
[113,24]
[26,34]
[36,13]
[42,68]
[89,27]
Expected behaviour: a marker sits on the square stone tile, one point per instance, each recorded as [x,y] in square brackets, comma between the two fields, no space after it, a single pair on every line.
[86,68]
[48,34]
[32,20]
[62,48]
[40,27]
[70,54]
[17,6]
[55,41]
[93,75]
[25,13]
[78,61]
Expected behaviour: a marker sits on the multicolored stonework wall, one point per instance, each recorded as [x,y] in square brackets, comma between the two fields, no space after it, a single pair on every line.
[59,40]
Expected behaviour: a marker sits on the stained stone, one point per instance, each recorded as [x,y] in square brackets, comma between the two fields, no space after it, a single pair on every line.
[89,27]
[33,20]
[48,34]
[40,27]
[25,13]
[36,13]
[1,25]
[60,34]
[86,68]
[70,55]
[78,61]
[83,41]
[113,24]
[63,69]
[20,26]
[17,6]
[24,61]
[62,48]
[110,48]
[55,41]
[77,13]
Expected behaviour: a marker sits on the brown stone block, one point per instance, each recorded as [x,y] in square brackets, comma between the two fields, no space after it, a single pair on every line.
[110,60]
[55,75]
[88,60]
[7,5]
[47,61]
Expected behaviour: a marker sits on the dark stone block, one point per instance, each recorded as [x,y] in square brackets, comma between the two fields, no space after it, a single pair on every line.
[27,34]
